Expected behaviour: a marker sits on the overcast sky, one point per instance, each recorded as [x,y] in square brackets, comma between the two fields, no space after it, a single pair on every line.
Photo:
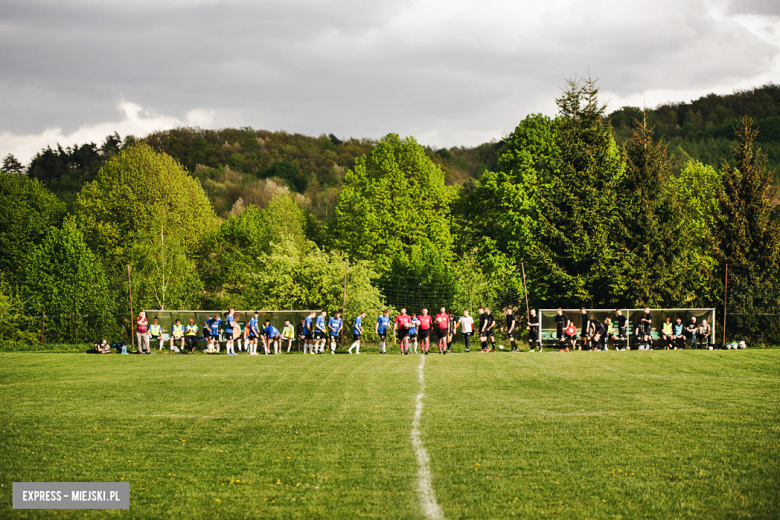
[447,72]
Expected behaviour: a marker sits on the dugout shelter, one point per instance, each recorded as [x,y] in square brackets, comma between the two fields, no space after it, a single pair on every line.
[167,318]
[548,329]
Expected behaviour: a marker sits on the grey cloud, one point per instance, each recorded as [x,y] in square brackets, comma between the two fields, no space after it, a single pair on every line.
[354,68]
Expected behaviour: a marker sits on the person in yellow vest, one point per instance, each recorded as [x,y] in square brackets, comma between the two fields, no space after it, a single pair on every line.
[288,334]
[177,334]
[155,333]
[191,335]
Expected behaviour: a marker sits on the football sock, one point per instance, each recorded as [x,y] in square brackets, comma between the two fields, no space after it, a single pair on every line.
[493,344]
[514,345]
[484,345]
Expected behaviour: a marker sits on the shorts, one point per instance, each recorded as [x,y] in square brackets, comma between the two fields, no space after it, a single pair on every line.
[383,335]
[441,333]
[403,333]
[560,335]
[622,332]
[252,336]
[647,329]
[307,336]
[355,336]
[334,337]
[533,334]
[412,335]
[155,338]
[425,333]
[318,334]
[229,333]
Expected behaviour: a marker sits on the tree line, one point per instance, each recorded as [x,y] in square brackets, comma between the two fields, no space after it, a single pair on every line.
[253,219]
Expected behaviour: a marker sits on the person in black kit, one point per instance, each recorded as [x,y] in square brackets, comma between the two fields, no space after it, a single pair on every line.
[597,332]
[533,331]
[620,337]
[647,327]
[482,331]
[561,322]
[585,328]
[510,329]
[490,323]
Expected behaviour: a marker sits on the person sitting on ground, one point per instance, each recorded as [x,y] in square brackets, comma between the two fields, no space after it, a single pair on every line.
[102,347]
[177,334]
[155,333]
[191,335]
[667,332]
[692,329]
[705,334]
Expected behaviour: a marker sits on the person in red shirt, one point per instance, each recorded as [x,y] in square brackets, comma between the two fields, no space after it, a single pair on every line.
[442,330]
[425,330]
[142,333]
[401,331]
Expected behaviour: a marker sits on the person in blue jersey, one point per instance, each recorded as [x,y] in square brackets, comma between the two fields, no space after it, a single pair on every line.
[308,333]
[413,330]
[357,331]
[335,324]
[213,325]
[382,322]
[252,334]
[230,329]
[273,336]
[320,333]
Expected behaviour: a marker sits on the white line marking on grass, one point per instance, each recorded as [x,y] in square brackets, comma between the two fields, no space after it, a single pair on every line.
[428,502]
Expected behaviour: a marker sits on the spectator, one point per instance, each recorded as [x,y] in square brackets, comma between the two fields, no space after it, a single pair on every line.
[692,329]
[191,335]
[679,334]
[177,334]
[667,332]
[705,333]
[141,324]
[155,333]
[103,347]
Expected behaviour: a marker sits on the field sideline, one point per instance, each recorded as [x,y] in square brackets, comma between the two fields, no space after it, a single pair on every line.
[663,434]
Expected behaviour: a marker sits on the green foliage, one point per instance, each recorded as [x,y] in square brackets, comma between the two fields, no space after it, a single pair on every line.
[114,210]
[664,265]
[65,279]
[394,202]
[28,211]
[749,238]
[16,326]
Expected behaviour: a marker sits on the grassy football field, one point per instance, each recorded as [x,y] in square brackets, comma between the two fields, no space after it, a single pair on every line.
[580,435]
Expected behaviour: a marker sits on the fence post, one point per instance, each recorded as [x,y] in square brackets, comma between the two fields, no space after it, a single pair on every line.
[43,326]
[130,292]
[725,303]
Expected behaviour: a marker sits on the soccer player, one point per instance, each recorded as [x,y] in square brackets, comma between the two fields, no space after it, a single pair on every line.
[482,323]
[490,324]
[620,337]
[413,330]
[382,322]
[273,336]
[466,323]
[335,325]
[511,329]
[667,332]
[308,333]
[425,331]
[533,331]
[320,333]
[401,331]
[608,329]
[230,331]
[442,329]
[357,331]
[585,326]
[288,334]
[561,324]
[692,329]
[213,326]
[647,327]
[452,330]
[253,333]
[191,335]
[679,334]
[155,333]
[177,334]
[597,331]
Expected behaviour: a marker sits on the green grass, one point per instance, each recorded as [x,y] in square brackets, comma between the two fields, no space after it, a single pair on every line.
[578,435]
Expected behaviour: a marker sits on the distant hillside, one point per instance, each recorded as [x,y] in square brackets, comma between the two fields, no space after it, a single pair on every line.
[704,129]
